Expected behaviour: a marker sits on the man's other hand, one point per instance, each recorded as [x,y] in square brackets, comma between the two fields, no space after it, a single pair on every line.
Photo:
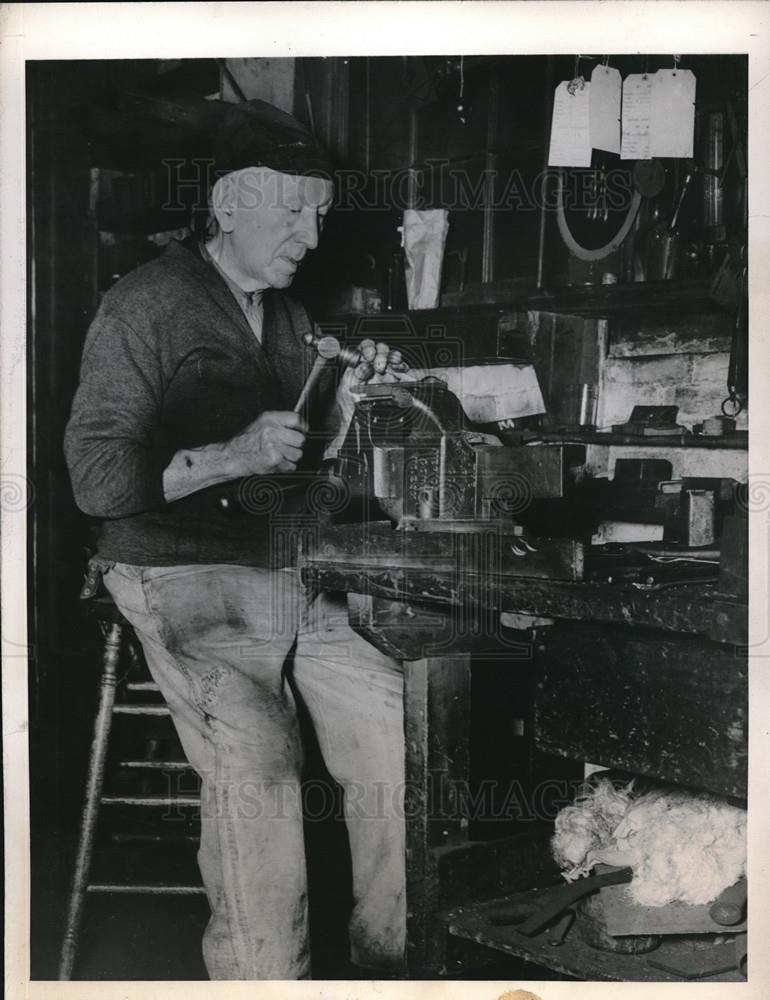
[272,443]
[379,363]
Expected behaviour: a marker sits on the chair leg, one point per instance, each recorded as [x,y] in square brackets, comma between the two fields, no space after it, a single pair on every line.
[90,812]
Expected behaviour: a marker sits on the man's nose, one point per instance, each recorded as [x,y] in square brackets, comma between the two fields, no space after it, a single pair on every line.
[308,228]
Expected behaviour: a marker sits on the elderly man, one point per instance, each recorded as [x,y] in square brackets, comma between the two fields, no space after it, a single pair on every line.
[189,375]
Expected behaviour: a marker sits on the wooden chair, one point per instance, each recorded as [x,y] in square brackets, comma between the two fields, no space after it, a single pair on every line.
[134,696]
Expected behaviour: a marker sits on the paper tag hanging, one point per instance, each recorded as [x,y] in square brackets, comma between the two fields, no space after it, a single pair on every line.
[606,89]
[635,119]
[672,113]
[570,127]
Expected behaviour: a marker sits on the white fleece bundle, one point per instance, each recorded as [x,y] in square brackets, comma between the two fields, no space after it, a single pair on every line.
[587,825]
[681,846]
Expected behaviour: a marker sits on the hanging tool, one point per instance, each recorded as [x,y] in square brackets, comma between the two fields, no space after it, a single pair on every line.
[581,252]
[737,372]
[605,210]
[682,193]
[462,257]
[666,246]
[598,193]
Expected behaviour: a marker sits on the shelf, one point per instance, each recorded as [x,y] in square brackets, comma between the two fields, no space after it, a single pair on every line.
[598,301]
[663,300]
[732,442]
[651,297]
[573,957]
[504,292]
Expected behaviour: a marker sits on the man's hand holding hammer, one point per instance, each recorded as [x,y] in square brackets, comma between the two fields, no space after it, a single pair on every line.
[273,443]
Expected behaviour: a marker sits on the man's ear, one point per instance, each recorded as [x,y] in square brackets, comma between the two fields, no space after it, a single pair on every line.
[223,203]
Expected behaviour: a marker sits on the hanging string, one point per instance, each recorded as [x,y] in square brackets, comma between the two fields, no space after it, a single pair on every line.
[577,82]
[676,63]
[460,102]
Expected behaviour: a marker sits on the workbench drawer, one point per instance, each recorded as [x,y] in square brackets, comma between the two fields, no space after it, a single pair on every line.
[670,708]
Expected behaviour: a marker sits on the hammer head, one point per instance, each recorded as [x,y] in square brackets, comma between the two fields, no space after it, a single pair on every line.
[329,347]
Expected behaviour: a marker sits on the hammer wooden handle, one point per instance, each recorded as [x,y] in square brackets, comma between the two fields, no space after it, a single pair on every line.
[307,388]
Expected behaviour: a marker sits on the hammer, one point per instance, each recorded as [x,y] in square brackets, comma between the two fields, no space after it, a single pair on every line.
[328,347]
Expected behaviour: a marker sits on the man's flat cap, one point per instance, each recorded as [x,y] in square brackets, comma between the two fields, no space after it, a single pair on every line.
[256,134]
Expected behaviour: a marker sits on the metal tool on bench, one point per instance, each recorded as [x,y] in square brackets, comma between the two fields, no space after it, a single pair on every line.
[567,895]
[652,421]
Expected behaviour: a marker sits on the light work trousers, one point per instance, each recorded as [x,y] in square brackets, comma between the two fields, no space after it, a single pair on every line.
[216,638]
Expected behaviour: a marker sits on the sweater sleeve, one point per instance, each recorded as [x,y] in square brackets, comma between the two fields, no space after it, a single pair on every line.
[115,464]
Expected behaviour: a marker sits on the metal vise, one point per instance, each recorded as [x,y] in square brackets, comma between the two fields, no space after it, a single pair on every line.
[412,447]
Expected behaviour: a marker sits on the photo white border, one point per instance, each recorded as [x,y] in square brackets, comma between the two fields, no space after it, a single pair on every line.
[171,30]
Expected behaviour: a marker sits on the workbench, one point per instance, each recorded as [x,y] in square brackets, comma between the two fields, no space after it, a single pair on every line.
[648,681]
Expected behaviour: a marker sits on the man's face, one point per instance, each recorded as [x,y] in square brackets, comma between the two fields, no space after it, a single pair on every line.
[276,218]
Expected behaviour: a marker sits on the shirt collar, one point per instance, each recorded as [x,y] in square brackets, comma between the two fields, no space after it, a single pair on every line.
[245,299]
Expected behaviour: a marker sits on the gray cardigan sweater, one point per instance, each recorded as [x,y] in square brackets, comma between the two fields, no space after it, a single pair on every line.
[170,362]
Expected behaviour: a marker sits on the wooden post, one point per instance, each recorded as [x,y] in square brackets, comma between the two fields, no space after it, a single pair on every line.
[436,730]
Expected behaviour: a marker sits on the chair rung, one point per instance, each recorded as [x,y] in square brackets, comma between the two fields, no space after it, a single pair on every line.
[158,765]
[142,686]
[141,710]
[153,890]
[150,800]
